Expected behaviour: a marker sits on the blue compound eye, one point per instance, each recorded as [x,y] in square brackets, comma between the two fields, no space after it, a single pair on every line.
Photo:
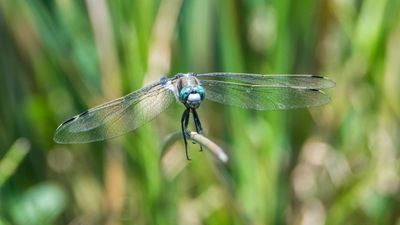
[184,94]
[201,91]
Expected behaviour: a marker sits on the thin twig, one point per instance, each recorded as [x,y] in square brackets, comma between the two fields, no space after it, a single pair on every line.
[198,138]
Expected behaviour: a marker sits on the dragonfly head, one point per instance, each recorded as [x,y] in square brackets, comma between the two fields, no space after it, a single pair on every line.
[192,96]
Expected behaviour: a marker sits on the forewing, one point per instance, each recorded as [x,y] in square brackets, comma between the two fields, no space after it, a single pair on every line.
[281,80]
[263,97]
[117,117]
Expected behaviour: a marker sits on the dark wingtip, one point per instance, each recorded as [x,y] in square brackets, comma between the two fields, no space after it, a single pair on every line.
[68,120]
[74,118]
[84,113]
[318,76]
[331,83]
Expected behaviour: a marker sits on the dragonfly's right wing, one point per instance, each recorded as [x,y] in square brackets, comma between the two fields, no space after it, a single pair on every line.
[117,117]
[299,81]
[261,92]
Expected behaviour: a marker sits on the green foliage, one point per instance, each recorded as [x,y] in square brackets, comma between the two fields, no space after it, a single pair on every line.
[41,204]
[336,164]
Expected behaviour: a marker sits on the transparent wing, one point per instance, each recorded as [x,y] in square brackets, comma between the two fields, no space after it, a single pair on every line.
[281,80]
[117,117]
[288,93]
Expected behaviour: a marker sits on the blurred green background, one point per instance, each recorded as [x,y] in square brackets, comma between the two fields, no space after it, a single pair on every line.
[335,164]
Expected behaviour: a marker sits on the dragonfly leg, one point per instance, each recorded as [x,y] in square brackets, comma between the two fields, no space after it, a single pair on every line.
[197,124]
[187,119]
[184,124]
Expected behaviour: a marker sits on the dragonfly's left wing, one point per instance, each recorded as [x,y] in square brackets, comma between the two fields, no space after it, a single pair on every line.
[266,92]
[117,117]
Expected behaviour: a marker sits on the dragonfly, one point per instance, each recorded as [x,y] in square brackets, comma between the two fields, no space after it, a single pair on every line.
[249,91]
